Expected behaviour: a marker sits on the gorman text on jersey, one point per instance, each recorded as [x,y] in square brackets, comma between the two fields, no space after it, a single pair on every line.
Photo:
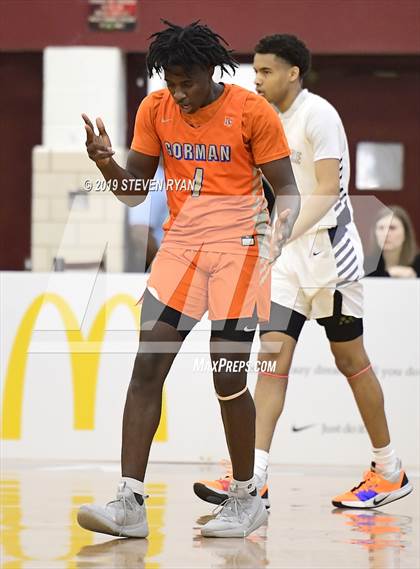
[199,152]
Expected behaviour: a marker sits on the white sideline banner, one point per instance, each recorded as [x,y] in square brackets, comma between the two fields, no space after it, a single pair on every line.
[68,343]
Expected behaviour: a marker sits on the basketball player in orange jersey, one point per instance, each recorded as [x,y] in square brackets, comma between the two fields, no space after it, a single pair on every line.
[215,139]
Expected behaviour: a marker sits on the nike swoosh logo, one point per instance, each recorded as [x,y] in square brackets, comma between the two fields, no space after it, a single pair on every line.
[377,502]
[246,329]
[316,253]
[298,429]
[166,120]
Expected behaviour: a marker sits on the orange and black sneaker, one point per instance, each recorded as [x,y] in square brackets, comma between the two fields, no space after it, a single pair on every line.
[217,491]
[375,490]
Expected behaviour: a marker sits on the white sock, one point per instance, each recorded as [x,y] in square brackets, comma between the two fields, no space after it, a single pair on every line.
[244,486]
[386,460]
[135,485]
[261,463]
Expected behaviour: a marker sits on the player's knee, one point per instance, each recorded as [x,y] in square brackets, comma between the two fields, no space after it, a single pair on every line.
[146,369]
[272,363]
[275,346]
[228,384]
[349,364]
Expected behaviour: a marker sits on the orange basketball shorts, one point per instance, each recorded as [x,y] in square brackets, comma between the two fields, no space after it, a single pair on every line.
[228,285]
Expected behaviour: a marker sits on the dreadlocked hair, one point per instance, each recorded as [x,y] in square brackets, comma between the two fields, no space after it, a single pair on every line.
[187,47]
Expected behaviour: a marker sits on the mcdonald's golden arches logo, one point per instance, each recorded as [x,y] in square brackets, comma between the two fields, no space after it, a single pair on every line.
[83,359]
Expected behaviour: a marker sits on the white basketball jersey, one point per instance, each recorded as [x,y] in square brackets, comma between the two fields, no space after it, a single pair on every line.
[314,132]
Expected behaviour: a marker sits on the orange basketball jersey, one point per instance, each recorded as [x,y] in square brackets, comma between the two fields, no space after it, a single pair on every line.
[213,184]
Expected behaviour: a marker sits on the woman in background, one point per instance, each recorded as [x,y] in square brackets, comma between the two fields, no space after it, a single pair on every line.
[394,245]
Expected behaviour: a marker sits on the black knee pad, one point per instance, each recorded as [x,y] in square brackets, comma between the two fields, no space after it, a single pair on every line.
[341,327]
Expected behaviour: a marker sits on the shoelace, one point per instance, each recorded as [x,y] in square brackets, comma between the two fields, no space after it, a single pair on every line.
[122,498]
[232,505]
[370,480]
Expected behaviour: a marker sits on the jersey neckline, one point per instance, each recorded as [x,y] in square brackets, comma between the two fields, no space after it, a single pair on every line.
[221,101]
[298,102]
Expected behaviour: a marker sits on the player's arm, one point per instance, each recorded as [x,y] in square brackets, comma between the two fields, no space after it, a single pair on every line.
[325,195]
[325,133]
[130,184]
[271,154]
[280,176]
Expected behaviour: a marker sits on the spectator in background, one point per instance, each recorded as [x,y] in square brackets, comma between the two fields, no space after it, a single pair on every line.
[395,245]
[145,231]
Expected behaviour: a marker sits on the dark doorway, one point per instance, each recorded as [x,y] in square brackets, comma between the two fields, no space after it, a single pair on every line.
[21,130]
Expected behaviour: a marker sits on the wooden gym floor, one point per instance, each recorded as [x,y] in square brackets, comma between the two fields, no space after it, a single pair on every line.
[39,530]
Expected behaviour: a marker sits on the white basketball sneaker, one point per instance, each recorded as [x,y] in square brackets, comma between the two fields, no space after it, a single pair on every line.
[240,514]
[123,517]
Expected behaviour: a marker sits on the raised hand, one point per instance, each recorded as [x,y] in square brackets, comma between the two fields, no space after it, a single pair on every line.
[280,234]
[98,146]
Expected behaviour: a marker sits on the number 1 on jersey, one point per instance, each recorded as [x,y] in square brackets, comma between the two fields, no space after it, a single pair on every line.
[197,182]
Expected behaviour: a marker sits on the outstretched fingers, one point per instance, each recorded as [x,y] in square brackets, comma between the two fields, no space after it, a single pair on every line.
[102,132]
[98,146]
[90,131]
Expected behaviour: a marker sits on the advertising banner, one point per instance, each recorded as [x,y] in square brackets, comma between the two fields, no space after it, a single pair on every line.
[68,343]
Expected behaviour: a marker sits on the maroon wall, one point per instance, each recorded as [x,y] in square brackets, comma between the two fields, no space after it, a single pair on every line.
[378,99]
[372,107]
[21,124]
[328,26]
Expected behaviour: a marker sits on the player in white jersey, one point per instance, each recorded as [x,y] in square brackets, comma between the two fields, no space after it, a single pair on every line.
[317,276]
